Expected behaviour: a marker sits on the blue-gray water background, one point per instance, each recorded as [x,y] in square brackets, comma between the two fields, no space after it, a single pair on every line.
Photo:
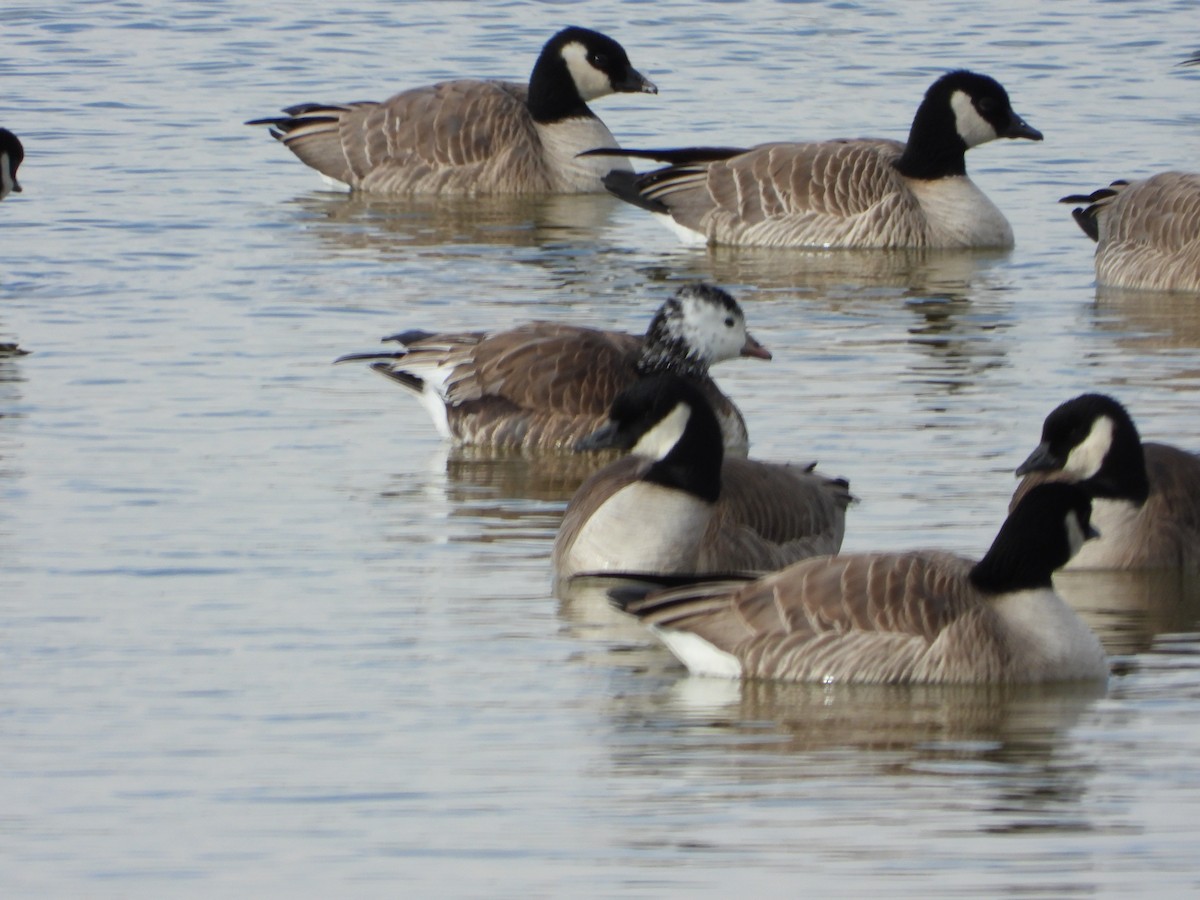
[261,635]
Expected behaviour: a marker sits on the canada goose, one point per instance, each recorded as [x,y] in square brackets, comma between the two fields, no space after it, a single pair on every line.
[842,193]
[1147,232]
[895,618]
[474,136]
[545,385]
[675,505]
[1145,497]
[11,155]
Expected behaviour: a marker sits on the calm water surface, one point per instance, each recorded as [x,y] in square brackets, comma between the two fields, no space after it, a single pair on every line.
[261,634]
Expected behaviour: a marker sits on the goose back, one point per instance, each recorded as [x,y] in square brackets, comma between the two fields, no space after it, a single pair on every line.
[473,136]
[1147,232]
[915,617]
[766,516]
[864,193]
[545,385]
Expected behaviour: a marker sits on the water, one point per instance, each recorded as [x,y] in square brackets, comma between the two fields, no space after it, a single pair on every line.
[263,634]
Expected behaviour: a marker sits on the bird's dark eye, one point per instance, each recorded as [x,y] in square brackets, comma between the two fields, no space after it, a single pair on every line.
[986,105]
[599,60]
[729,321]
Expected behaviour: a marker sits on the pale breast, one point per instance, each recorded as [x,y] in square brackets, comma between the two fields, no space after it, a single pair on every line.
[959,215]
[641,528]
[1119,545]
[562,142]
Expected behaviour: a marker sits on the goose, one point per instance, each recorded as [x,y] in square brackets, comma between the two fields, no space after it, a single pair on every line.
[918,617]
[1147,232]
[11,155]
[864,193]
[676,506]
[1146,496]
[545,385]
[473,136]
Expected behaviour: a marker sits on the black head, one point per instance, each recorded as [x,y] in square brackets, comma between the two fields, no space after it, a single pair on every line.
[666,420]
[1047,527]
[578,65]
[12,153]
[961,110]
[1092,440]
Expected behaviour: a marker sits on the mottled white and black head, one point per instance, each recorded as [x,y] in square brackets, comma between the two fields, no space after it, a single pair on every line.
[1041,535]
[1092,440]
[11,155]
[667,421]
[578,65]
[699,326]
[961,110]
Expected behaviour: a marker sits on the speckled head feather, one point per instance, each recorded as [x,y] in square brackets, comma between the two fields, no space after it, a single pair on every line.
[698,327]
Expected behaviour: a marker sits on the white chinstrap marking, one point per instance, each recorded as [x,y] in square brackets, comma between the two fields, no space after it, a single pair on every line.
[973,128]
[589,81]
[662,438]
[1086,457]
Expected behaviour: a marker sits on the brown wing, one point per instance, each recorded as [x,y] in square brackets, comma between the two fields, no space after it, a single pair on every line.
[1163,210]
[565,369]
[878,618]
[770,515]
[830,193]
[540,385]
[1172,511]
[1150,234]
[465,136]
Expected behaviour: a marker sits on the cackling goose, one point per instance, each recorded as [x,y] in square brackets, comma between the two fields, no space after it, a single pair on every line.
[545,385]
[11,155]
[1147,232]
[1145,497]
[896,618]
[676,506]
[866,193]
[474,136]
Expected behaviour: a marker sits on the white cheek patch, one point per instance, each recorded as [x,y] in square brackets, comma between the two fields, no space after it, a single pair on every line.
[589,81]
[1086,458]
[662,438]
[973,128]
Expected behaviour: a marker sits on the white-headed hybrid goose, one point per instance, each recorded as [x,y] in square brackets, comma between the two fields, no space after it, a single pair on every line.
[865,193]
[546,385]
[676,506]
[474,136]
[1145,496]
[11,155]
[1147,232]
[921,617]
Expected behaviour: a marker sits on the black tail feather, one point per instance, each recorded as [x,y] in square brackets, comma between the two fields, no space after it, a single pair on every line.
[676,157]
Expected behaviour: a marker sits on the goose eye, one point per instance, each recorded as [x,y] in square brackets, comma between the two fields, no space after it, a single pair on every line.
[986,105]
[599,60]
[729,321]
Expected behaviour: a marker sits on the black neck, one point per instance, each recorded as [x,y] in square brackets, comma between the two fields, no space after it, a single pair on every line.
[934,148]
[552,92]
[694,463]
